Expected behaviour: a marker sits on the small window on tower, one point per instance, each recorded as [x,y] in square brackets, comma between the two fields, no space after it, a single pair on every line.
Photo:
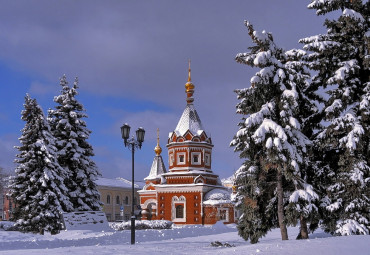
[181,158]
[195,158]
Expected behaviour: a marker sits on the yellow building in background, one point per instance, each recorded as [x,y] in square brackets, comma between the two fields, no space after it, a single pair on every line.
[115,194]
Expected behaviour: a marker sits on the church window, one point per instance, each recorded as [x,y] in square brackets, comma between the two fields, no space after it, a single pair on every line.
[180,211]
[108,199]
[195,158]
[126,200]
[117,200]
[181,158]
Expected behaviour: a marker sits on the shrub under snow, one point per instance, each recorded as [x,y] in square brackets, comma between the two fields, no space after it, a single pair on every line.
[143,224]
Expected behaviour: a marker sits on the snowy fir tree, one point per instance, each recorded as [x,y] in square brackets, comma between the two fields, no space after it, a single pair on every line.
[271,141]
[3,177]
[37,187]
[340,59]
[74,151]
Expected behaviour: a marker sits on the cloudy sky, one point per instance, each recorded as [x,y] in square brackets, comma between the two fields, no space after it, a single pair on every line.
[131,61]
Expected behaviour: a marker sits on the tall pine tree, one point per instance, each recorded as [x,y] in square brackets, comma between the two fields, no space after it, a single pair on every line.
[340,59]
[74,151]
[271,140]
[37,187]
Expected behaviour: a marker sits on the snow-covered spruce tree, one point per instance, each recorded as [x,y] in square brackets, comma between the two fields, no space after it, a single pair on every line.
[37,187]
[74,151]
[3,177]
[340,59]
[270,138]
[255,199]
[303,202]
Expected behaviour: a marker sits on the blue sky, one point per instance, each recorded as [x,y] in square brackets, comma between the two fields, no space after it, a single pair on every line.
[131,61]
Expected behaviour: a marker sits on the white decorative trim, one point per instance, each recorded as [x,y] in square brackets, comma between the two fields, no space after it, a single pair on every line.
[156,204]
[199,179]
[201,202]
[187,170]
[207,162]
[145,205]
[148,185]
[171,159]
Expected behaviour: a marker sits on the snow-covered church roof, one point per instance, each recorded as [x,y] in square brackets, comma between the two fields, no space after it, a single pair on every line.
[157,168]
[189,121]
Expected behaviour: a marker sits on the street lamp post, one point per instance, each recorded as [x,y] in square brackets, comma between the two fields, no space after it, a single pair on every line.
[132,144]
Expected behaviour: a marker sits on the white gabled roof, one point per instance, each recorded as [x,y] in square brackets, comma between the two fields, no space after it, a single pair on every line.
[189,121]
[217,196]
[116,183]
[157,168]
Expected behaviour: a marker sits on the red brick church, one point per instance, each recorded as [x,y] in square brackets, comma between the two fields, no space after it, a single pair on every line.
[189,193]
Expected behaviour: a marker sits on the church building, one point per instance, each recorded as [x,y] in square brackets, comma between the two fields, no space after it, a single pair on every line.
[189,192]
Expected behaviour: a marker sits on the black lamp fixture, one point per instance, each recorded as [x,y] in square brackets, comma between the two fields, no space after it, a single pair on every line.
[132,144]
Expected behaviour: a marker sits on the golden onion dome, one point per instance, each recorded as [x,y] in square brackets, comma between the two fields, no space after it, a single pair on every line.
[158,150]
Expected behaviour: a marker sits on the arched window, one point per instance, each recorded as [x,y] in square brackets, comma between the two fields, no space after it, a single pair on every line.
[180,211]
[117,200]
[108,199]
[126,200]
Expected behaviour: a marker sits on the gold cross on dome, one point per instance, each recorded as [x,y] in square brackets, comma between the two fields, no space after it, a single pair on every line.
[189,76]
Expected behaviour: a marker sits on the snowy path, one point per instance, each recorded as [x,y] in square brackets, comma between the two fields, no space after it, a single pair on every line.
[188,240]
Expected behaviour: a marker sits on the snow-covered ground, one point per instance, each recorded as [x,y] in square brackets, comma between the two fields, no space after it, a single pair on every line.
[184,240]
